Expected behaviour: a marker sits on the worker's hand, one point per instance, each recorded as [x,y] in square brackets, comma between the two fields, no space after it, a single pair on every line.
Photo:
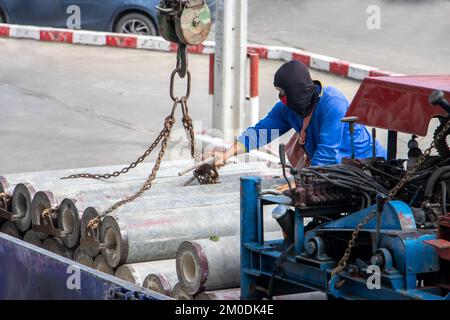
[220,157]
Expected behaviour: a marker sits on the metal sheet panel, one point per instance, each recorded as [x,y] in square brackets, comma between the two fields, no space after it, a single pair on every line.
[29,272]
[399,103]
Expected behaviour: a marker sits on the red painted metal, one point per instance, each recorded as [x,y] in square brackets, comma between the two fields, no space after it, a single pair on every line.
[442,247]
[254,75]
[399,103]
[262,52]
[211,73]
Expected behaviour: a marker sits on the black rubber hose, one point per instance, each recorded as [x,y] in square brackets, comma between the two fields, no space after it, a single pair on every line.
[435,177]
[343,184]
[358,183]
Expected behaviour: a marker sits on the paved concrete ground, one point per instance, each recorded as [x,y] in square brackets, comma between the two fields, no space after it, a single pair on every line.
[413,38]
[65,106]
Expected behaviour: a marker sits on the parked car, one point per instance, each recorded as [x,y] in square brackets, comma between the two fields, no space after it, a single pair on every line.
[123,16]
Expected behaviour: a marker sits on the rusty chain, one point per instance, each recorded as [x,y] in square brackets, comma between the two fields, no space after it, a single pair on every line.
[5,198]
[50,214]
[401,184]
[163,139]
[124,170]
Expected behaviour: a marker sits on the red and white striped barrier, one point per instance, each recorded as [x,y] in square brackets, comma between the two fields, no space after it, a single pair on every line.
[253,114]
[314,61]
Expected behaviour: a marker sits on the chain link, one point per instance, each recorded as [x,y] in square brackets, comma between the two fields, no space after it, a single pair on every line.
[402,183]
[5,198]
[50,214]
[124,170]
[189,128]
[164,139]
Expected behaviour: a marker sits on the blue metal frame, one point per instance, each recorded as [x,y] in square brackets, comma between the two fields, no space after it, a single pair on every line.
[29,272]
[407,256]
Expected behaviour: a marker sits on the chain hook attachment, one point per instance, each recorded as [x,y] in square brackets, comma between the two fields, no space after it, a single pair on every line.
[172,85]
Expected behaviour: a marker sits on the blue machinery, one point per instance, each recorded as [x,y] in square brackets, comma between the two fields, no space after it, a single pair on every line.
[409,267]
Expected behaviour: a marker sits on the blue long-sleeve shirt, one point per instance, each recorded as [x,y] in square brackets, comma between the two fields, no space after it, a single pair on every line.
[327,138]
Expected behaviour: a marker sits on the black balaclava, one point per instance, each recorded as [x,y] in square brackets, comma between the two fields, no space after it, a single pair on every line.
[294,78]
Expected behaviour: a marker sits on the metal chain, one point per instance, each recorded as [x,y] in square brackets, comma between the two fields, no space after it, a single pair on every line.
[344,260]
[405,179]
[189,128]
[50,213]
[164,138]
[5,198]
[124,170]
[168,125]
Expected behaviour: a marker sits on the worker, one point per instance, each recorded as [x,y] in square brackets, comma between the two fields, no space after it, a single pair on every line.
[315,113]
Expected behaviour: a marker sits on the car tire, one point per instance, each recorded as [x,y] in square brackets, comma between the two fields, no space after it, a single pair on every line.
[136,23]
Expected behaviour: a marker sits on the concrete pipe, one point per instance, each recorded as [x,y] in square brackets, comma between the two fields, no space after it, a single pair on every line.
[21,205]
[68,215]
[56,246]
[179,294]
[137,272]
[206,265]
[81,256]
[161,282]
[33,238]
[42,200]
[88,215]
[101,265]
[230,294]
[141,236]
[10,229]
[68,220]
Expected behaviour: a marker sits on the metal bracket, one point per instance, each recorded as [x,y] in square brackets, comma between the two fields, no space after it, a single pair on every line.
[91,242]
[9,216]
[46,227]
[50,230]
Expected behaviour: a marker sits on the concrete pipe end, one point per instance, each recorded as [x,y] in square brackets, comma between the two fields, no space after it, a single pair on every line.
[179,294]
[56,246]
[10,229]
[88,215]
[69,221]
[33,238]
[192,267]
[115,237]
[82,257]
[126,273]
[158,283]
[203,296]
[42,200]
[101,265]
[21,205]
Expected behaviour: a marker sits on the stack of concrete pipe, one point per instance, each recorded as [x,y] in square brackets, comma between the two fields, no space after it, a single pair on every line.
[142,238]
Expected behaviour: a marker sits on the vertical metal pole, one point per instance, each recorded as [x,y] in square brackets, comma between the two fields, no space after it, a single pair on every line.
[374,143]
[230,62]
[392,145]
[211,79]
[250,189]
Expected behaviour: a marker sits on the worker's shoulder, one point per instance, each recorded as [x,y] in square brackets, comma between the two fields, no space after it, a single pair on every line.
[333,93]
